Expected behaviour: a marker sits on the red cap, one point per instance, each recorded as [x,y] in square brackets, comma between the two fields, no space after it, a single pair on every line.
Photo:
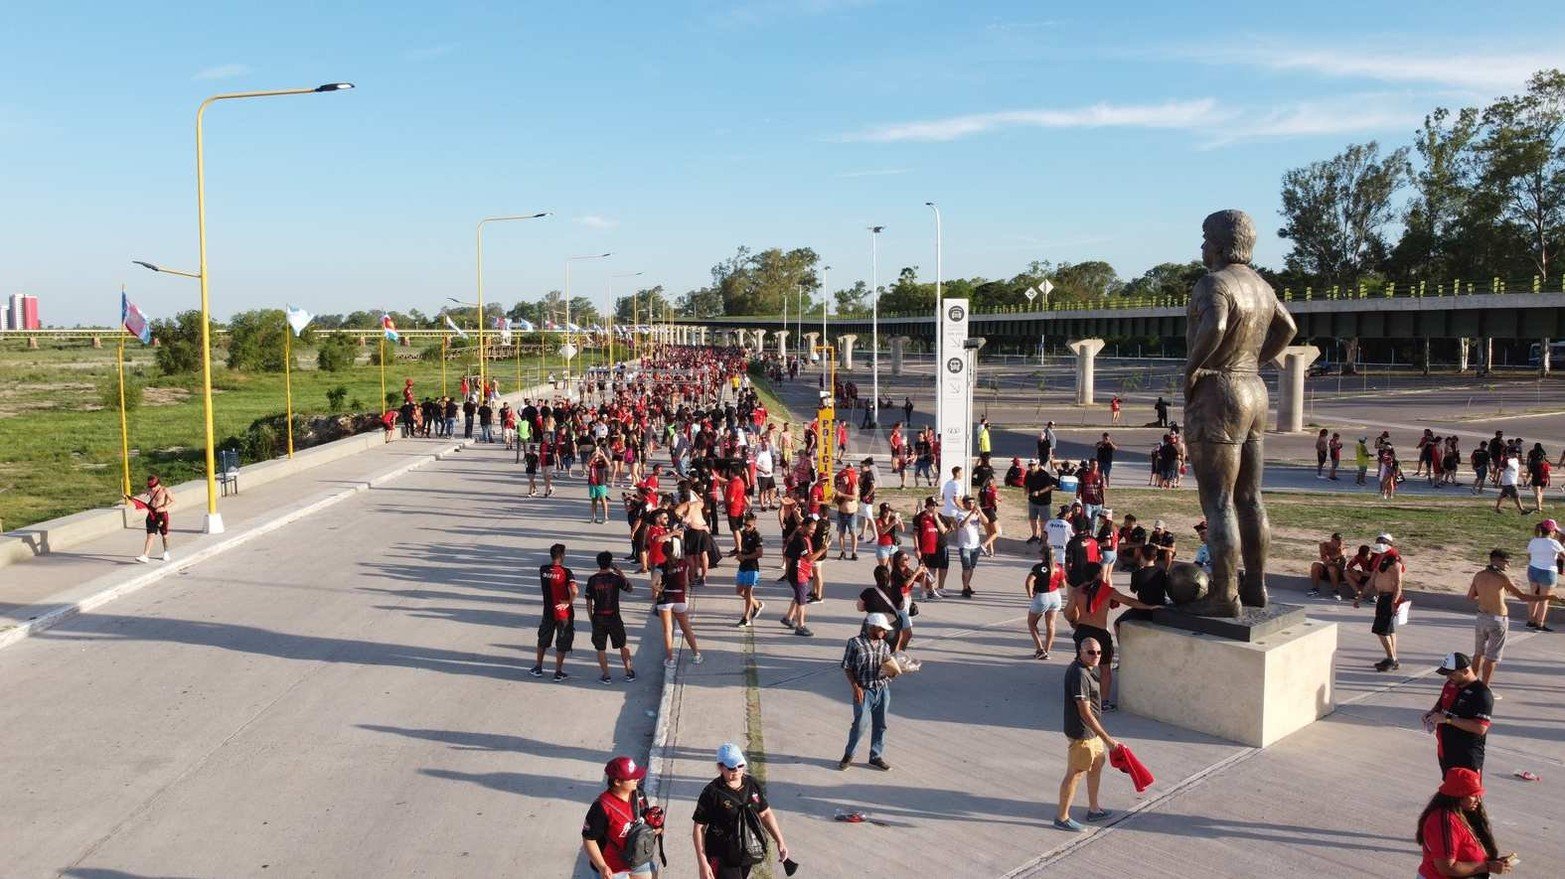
[1462,782]
[624,769]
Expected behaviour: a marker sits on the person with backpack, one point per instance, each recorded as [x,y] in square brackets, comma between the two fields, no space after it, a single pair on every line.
[729,819]
[621,835]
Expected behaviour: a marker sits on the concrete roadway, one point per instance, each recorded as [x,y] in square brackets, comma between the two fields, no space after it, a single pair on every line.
[345,696]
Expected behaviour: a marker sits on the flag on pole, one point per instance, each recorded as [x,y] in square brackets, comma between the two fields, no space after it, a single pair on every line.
[134,321]
[525,325]
[452,324]
[389,327]
[298,318]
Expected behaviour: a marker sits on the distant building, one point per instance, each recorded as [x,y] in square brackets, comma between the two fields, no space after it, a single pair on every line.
[23,313]
[5,319]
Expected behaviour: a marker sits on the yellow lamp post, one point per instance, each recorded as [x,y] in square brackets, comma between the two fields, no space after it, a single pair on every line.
[483,387]
[288,378]
[214,519]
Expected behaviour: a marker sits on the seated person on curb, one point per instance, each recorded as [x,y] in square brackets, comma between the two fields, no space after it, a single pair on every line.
[1332,566]
[1356,572]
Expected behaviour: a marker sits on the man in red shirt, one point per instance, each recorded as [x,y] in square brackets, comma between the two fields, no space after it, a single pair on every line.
[929,530]
[736,494]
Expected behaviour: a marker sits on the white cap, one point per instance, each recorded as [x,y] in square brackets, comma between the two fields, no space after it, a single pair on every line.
[878,621]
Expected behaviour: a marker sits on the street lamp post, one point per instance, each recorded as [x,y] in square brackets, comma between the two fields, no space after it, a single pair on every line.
[483,387]
[939,354]
[568,261]
[874,323]
[214,519]
[825,298]
[609,314]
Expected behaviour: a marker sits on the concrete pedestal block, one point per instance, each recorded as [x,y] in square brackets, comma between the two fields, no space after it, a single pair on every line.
[1253,693]
[782,343]
[845,345]
[1086,351]
[1294,361]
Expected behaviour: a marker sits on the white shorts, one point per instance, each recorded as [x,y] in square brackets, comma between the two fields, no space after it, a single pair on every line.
[1045,602]
[676,607]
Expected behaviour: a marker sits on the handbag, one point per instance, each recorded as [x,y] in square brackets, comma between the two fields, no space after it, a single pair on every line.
[912,609]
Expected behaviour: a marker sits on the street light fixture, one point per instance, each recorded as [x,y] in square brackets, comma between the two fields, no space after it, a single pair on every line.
[214,519]
[568,261]
[483,387]
[874,322]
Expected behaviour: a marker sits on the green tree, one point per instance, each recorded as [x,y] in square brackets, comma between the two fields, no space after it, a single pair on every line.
[1433,226]
[1335,211]
[1166,279]
[853,300]
[179,343]
[907,295]
[1523,162]
[1092,279]
[644,306]
[336,353]
[255,340]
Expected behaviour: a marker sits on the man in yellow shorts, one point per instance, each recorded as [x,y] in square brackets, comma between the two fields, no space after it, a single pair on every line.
[1089,741]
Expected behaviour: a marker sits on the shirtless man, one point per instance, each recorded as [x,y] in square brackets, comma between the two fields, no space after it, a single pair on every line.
[1087,610]
[1332,566]
[1490,588]
[157,504]
[697,536]
[1385,583]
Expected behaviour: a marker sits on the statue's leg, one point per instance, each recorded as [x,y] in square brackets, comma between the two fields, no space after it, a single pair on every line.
[1255,532]
[1216,467]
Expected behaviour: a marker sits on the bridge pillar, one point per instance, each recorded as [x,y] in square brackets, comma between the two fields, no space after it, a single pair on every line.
[845,343]
[760,342]
[782,344]
[1461,354]
[1543,358]
[1294,361]
[898,346]
[97,342]
[1425,356]
[364,342]
[1086,351]
[1486,354]
[811,340]
[32,342]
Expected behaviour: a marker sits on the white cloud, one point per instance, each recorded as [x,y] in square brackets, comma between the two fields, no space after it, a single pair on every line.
[1171,114]
[1346,115]
[1476,70]
[593,221]
[223,71]
[875,172]
[430,53]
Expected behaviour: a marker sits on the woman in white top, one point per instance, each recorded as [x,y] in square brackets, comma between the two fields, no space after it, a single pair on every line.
[1545,555]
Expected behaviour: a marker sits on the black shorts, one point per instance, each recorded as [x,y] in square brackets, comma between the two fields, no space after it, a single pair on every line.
[765,483]
[157,523]
[735,523]
[561,632]
[1104,639]
[1385,615]
[1507,491]
[607,629]
[939,560]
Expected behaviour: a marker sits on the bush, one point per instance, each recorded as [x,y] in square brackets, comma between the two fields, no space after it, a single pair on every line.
[337,353]
[179,343]
[335,398]
[356,405]
[393,399]
[109,393]
[255,340]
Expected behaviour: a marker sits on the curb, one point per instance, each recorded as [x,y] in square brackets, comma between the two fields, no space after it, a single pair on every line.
[60,614]
[659,755]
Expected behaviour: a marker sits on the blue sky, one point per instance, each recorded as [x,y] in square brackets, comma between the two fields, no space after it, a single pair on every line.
[671,133]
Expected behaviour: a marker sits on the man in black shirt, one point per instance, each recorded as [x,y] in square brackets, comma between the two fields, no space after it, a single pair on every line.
[983,473]
[749,576]
[1039,485]
[1148,582]
[1163,543]
[1461,716]
[469,409]
[559,612]
[1161,408]
[486,422]
[732,797]
[603,589]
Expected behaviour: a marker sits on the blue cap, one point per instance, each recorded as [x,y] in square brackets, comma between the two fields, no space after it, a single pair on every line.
[729,755]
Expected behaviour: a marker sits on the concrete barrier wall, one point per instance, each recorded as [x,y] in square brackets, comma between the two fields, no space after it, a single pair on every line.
[76,529]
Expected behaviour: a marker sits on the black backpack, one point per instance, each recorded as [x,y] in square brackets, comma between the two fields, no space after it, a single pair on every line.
[746,844]
[642,841]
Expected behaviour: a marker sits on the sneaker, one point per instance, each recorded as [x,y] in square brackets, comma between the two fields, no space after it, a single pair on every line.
[670,663]
[605,679]
[841,556]
[1383,665]
[536,671]
[1530,623]
[630,675]
[1313,593]
[1542,627]
[968,593]
[166,556]
[845,762]
[804,631]
[853,557]
[143,559]
[789,624]
[1395,666]
[940,594]
[816,599]
[1070,824]
[744,623]
[880,763]
[697,659]
[1098,815]
[759,606]
[560,676]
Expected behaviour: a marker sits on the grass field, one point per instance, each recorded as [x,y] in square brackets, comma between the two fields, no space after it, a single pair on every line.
[59,432]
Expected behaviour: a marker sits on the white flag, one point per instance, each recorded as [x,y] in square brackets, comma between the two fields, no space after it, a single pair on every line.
[298,318]
[452,324]
[524,325]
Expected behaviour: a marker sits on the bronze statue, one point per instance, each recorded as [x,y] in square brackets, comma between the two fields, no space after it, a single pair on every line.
[1235,325]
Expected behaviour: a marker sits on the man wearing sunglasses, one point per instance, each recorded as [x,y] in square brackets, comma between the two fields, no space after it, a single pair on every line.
[1089,741]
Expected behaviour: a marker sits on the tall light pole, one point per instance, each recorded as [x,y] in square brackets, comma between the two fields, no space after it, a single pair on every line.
[825,297]
[483,386]
[568,261]
[874,322]
[939,354]
[214,519]
[609,314]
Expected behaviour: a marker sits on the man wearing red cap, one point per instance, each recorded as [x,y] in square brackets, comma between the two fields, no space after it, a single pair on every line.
[1460,718]
[609,820]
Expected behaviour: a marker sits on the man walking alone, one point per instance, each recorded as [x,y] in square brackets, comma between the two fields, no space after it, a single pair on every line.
[1089,741]
[862,664]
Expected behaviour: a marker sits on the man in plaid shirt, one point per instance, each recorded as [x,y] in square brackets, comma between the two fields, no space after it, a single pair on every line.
[861,663]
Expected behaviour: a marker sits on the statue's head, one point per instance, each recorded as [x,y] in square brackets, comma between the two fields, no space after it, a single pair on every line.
[1228,238]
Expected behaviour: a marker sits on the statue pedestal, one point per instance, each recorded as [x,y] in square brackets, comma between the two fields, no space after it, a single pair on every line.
[1253,691]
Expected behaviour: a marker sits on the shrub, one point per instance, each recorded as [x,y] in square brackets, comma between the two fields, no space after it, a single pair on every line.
[337,353]
[255,340]
[335,398]
[109,393]
[356,405]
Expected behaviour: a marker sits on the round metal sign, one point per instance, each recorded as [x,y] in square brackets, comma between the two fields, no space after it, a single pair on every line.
[954,365]
[956,312]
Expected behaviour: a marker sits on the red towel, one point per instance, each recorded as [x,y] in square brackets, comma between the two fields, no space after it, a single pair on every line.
[1123,759]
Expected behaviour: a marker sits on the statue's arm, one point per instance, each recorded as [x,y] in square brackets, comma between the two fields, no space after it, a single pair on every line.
[1279,334]
[1208,320]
